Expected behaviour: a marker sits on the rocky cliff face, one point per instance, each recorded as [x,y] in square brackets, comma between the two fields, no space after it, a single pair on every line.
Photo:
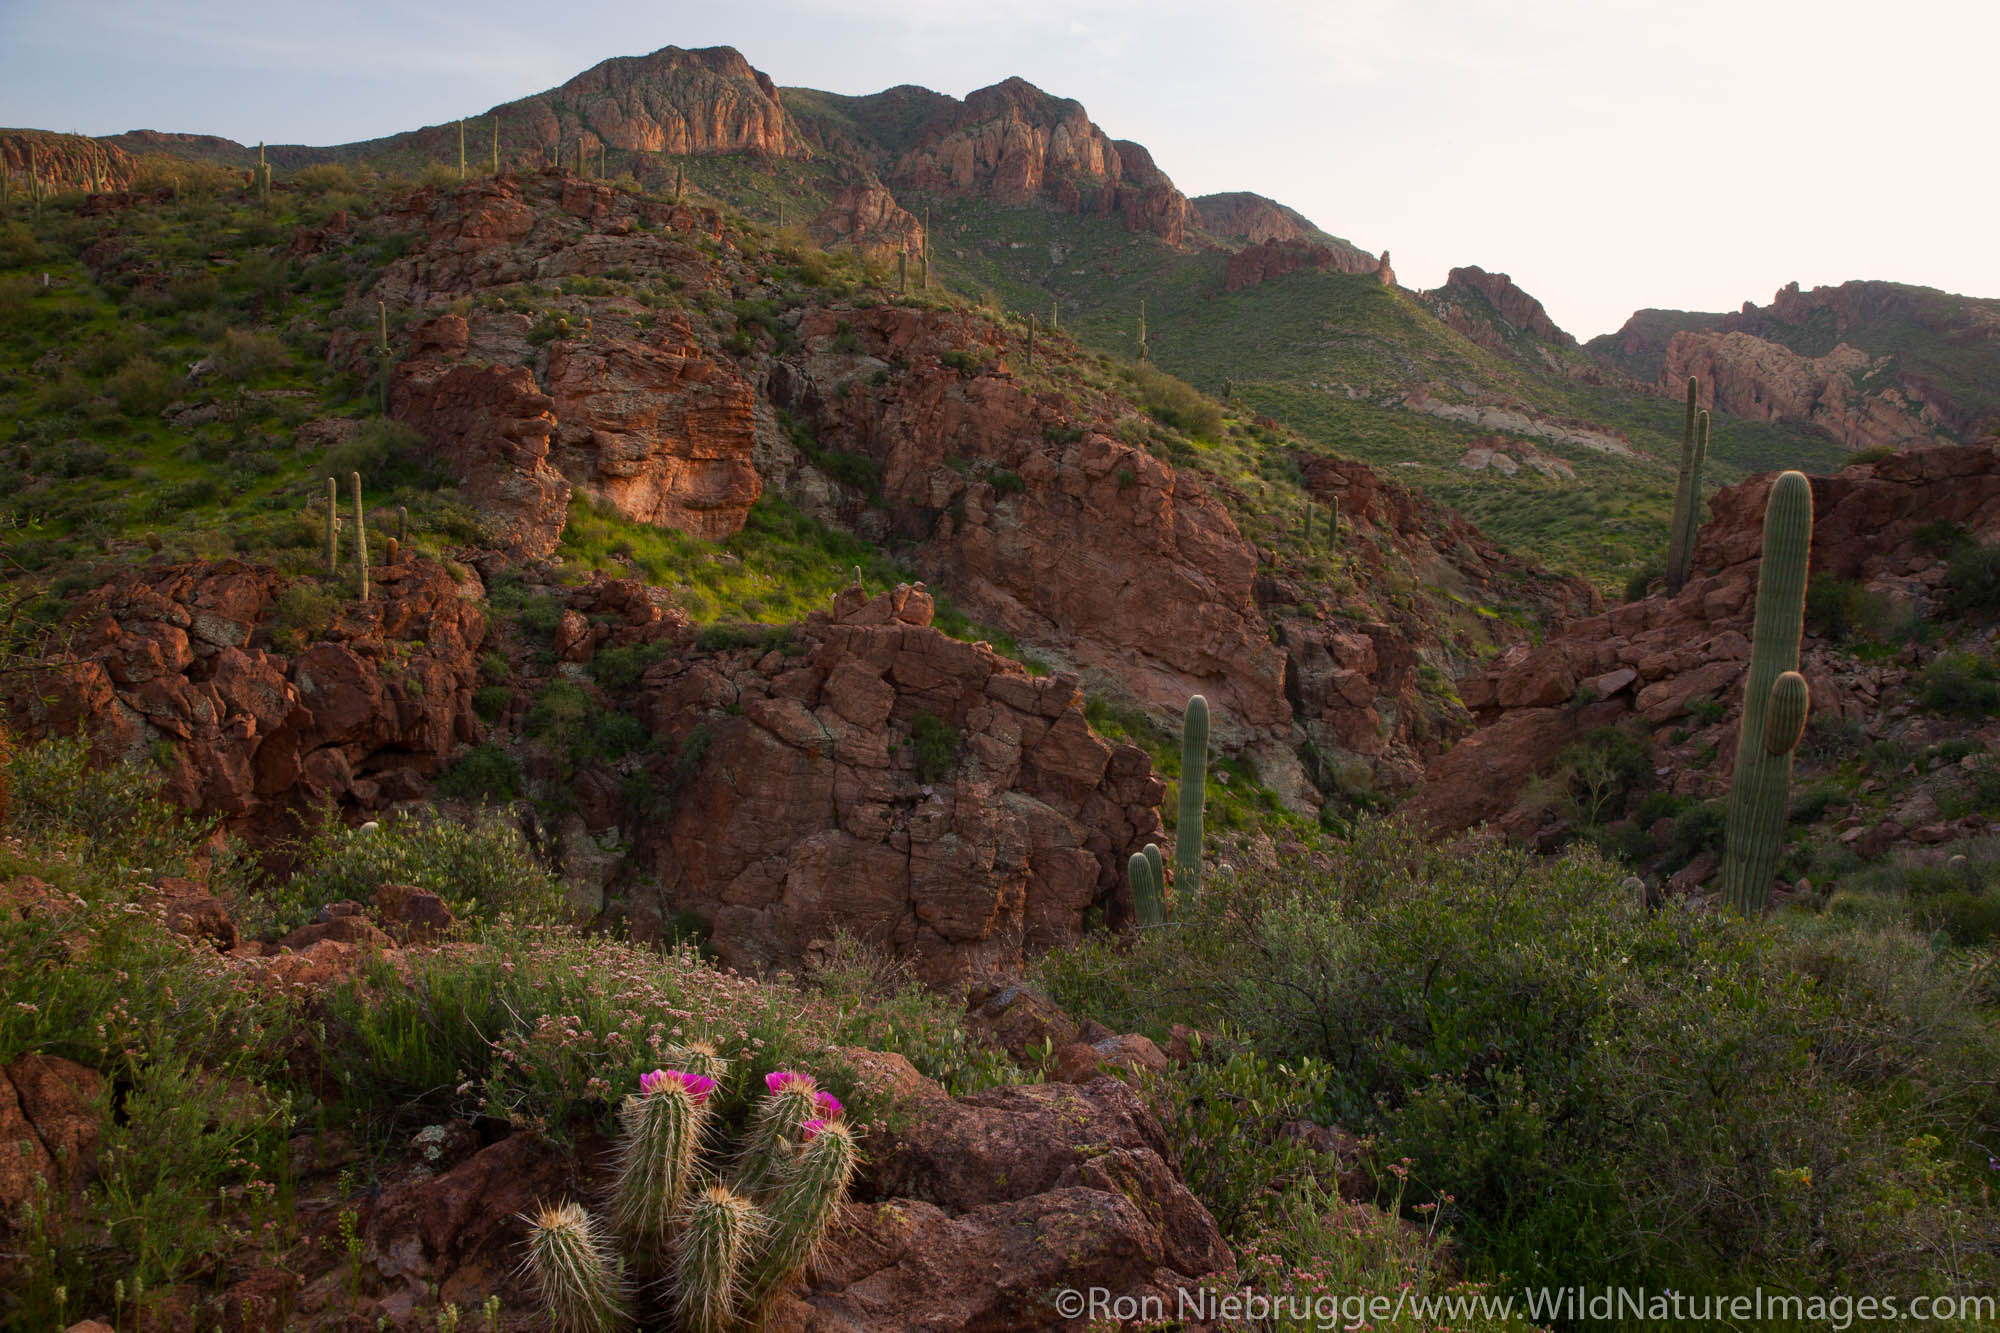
[1918,362]
[1268,260]
[1016,144]
[186,654]
[646,421]
[1093,549]
[1472,299]
[1254,220]
[824,797]
[1847,393]
[63,162]
[1641,665]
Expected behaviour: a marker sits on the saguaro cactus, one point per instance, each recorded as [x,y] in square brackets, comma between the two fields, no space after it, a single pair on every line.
[1194,785]
[1149,896]
[1775,701]
[1031,340]
[360,541]
[496,145]
[1332,520]
[332,527]
[1694,492]
[1142,329]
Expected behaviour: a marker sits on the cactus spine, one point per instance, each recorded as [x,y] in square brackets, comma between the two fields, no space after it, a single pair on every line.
[1774,702]
[573,1269]
[780,1120]
[717,1234]
[1194,780]
[360,541]
[332,527]
[663,1124]
[802,1209]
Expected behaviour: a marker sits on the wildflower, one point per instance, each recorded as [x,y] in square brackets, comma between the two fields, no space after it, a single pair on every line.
[779,1079]
[698,1085]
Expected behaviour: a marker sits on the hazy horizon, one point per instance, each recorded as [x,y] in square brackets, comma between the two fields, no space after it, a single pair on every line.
[1608,159]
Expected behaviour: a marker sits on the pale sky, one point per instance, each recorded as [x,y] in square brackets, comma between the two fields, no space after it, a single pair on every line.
[1608,154]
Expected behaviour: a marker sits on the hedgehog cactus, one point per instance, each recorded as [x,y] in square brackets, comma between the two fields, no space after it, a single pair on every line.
[663,1125]
[1775,701]
[1194,785]
[572,1267]
[803,1206]
[792,1099]
[719,1230]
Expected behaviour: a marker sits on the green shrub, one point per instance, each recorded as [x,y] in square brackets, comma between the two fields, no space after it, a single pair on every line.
[487,774]
[1176,403]
[1586,1090]
[113,814]
[304,611]
[1964,683]
[934,744]
[481,868]
[246,354]
[491,701]
[619,669]
[1972,580]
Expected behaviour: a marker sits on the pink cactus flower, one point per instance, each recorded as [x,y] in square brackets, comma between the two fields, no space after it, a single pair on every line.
[811,1128]
[697,1086]
[828,1104]
[779,1079]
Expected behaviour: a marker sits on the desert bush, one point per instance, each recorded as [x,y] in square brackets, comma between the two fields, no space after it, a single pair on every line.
[482,868]
[322,177]
[245,354]
[113,814]
[1176,403]
[486,774]
[934,745]
[1588,1091]
[18,246]
[1964,683]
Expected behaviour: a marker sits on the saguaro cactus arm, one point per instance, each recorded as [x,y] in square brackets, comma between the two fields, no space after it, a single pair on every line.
[1775,700]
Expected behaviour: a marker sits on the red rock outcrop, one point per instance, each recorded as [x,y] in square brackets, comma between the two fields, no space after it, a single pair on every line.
[924,793]
[1015,144]
[1652,658]
[1274,259]
[655,428]
[1744,375]
[183,654]
[1139,576]
[48,1132]
[868,217]
[491,427]
[675,101]
[64,162]
[1032,1189]
[1251,218]
[1467,288]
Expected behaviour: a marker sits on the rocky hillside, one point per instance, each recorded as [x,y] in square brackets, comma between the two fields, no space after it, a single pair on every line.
[1035,208]
[1622,726]
[1873,364]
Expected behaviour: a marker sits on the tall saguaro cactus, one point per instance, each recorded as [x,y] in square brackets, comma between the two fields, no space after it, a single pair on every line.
[1687,494]
[360,541]
[1194,789]
[332,527]
[1775,701]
